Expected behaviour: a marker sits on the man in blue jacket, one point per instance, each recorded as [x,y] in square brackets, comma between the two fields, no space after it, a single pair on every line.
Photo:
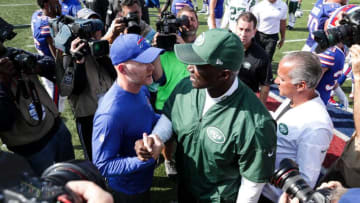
[122,117]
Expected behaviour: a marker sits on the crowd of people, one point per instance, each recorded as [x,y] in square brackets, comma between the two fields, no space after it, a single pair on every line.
[200,102]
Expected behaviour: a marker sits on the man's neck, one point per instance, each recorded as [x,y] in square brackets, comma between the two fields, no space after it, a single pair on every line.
[220,90]
[302,98]
[47,13]
[246,46]
[127,85]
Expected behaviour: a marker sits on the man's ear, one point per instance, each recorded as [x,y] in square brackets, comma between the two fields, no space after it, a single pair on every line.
[121,68]
[301,85]
[225,74]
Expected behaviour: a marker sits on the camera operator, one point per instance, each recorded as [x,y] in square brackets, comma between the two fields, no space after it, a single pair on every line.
[300,137]
[174,71]
[130,14]
[30,123]
[93,76]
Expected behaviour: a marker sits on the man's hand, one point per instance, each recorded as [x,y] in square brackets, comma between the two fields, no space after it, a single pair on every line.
[281,43]
[7,69]
[117,27]
[355,60]
[141,150]
[76,46]
[90,192]
[284,198]
[148,147]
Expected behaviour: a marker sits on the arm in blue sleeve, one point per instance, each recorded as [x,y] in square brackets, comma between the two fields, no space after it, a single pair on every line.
[107,141]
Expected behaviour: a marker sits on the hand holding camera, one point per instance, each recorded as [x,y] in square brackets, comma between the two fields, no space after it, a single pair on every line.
[76,50]
[6,69]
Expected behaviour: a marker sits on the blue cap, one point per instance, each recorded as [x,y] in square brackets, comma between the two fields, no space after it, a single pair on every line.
[132,47]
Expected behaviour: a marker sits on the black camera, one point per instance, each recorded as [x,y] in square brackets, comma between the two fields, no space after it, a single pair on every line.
[167,26]
[66,28]
[348,32]
[6,31]
[132,22]
[23,61]
[51,186]
[288,178]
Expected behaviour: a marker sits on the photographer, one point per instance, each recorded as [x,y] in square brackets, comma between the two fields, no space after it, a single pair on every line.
[130,16]
[30,123]
[174,71]
[300,137]
[92,77]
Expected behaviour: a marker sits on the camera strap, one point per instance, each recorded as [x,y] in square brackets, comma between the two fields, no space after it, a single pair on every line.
[36,100]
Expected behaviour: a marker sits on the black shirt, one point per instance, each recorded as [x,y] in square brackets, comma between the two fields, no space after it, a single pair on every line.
[256,68]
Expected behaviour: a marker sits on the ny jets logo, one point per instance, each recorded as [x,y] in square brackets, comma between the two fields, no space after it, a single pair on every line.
[246,65]
[219,62]
[200,40]
[283,129]
[215,135]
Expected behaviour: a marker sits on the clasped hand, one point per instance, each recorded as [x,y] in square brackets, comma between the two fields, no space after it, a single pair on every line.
[148,147]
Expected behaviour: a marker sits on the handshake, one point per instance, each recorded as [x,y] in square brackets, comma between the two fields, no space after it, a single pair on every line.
[148,147]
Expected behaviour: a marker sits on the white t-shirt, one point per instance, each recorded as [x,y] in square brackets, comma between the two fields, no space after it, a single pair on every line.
[233,8]
[269,15]
[304,134]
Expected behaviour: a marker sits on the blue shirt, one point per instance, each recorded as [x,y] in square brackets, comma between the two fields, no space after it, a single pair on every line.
[70,7]
[317,18]
[121,119]
[333,60]
[41,30]
[179,4]
[219,8]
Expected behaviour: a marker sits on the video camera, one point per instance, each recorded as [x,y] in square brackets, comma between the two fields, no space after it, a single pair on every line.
[167,26]
[22,60]
[66,28]
[288,178]
[348,32]
[51,186]
[131,21]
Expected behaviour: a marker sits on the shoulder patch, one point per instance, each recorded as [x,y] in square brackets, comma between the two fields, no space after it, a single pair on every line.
[215,135]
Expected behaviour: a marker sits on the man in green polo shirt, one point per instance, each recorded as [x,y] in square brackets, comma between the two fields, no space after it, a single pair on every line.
[226,137]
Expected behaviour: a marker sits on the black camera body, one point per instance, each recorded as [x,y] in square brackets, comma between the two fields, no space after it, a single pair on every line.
[6,31]
[288,178]
[66,28]
[23,61]
[132,22]
[51,186]
[167,26]
[348,32]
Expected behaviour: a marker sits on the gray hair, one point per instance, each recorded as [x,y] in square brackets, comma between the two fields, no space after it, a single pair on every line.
[307,68]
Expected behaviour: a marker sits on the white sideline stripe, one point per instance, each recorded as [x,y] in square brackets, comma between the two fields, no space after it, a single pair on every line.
[289,52]
[9,5]
[295,40]
[30,45]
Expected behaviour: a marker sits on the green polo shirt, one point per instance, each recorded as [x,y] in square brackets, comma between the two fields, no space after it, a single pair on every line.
[236,137]
[174,71]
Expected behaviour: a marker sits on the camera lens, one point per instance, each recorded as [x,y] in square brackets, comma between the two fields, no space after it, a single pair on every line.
[287,178]
[61,173]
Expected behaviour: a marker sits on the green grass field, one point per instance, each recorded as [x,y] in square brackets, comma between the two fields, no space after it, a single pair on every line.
[163,190]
